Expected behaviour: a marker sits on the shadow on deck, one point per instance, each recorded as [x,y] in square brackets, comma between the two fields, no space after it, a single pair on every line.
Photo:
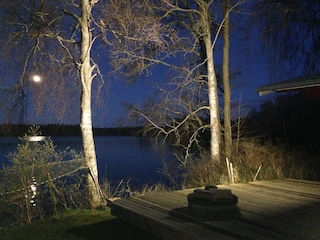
[278,209]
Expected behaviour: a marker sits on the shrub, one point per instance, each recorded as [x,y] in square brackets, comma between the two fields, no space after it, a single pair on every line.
[252,153]
[276,161]
[203,171]
[39,181]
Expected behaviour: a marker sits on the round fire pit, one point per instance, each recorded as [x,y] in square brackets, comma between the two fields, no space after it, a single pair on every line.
[213,203]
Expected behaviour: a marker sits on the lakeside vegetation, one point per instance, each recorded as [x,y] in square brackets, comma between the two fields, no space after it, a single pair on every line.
[266,147]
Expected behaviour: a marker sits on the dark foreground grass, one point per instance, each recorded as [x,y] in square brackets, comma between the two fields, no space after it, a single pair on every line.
[75,225]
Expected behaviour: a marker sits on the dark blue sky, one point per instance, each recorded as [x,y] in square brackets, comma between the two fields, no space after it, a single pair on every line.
[246,58]
[253,73]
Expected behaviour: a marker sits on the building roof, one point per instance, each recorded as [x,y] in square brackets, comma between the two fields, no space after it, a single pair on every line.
[299,83]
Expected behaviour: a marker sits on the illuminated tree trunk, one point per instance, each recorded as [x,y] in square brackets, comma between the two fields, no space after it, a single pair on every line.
[226,82]
[212,82]
[86,77]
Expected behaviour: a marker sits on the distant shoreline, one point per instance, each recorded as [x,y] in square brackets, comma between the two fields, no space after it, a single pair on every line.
[18,130]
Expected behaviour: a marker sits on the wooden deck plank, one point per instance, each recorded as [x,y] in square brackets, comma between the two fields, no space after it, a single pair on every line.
[261,208]
[168,200]
[285,210]
[313,183]
[161,223]
[301,188]
[228,229]
[279,209]
[307,211]
[269,197]
[299,228]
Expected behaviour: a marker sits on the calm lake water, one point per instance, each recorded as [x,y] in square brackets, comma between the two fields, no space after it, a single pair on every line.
[118,157]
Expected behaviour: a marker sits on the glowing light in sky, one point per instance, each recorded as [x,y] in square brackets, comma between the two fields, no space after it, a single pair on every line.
[36,78]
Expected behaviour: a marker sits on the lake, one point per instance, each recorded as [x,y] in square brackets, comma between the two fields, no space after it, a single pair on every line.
[119,157]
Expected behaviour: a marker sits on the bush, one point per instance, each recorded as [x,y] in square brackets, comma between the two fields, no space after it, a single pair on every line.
[276,161]
[252,154]
[39,181]
[203,171]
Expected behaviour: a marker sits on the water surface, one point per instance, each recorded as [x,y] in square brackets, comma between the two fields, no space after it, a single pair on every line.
[119,157]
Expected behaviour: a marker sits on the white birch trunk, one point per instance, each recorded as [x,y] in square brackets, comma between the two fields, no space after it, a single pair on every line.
[212,83]
[86,75]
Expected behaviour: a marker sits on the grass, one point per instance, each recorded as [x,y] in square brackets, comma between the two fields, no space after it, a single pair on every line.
[75,225]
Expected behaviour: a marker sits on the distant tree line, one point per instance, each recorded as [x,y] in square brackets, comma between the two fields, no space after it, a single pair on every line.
[291,119]
[7,130]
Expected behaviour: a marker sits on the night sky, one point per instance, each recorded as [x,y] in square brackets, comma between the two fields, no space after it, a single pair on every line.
[246,57]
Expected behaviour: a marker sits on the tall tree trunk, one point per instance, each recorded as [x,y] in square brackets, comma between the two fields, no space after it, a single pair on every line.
[86,75]
[226,81]
[212,82]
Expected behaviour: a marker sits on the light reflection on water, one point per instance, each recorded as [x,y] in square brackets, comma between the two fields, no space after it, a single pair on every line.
[119,157]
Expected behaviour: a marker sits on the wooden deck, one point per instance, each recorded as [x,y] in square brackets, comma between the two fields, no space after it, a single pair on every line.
[278,209]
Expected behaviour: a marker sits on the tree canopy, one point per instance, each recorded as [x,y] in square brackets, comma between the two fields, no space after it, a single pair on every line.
[290,30]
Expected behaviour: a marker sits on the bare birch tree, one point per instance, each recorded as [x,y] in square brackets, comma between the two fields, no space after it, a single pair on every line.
[209,42]
[192,19]
[57,35]
[189,100]
[86,68]
[197,22]
[61,35]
